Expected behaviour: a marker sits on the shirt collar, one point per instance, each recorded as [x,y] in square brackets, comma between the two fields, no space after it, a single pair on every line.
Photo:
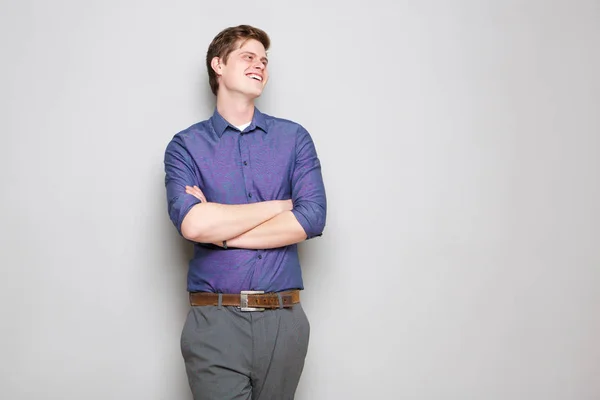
[220,123]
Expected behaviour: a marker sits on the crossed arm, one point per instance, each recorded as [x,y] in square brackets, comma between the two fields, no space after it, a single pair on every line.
[264,225]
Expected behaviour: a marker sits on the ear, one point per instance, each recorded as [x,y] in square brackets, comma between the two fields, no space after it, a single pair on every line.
[216,65]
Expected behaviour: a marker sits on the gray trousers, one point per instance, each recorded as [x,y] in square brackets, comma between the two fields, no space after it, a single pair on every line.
[234,355]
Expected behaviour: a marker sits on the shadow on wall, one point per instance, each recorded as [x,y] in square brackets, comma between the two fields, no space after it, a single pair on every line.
[175,251]
[182,250]
[206,99]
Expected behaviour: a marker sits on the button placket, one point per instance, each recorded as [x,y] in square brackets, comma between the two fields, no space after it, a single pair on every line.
[246,172]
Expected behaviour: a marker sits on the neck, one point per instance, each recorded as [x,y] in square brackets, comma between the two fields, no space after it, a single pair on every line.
[236,110]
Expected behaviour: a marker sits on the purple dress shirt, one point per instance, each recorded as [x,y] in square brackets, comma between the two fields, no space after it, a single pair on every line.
[272,159]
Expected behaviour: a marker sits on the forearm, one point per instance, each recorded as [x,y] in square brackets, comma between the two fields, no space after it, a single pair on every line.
[281,230]
[213,222]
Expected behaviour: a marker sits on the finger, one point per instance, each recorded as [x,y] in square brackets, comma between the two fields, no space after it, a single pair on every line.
[196,195]
[198,189]
[199,196]
[200,192]
[196,192]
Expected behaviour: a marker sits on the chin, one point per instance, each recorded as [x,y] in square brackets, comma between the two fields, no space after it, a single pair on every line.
[254,93]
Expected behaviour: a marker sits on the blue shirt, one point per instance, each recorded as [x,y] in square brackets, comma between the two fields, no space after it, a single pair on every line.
[271,159]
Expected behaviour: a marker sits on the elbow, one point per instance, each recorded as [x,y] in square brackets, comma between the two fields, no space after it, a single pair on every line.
[312,219]
[188,230]
[319,219]
[317,225]
[192,227]
[318,228]
[321,229]
[194,233]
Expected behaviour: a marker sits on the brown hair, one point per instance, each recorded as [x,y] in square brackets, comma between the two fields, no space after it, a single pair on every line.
[226,42]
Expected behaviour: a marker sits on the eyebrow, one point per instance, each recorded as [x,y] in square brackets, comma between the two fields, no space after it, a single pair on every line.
[254,54]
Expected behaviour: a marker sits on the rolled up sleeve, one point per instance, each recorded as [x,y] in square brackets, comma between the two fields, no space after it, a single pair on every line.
[179,173]
[308,190]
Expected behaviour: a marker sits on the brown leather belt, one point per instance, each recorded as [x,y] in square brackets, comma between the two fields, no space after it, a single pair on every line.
[247,300]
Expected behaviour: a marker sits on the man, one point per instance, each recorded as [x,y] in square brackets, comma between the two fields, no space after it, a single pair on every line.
[245,187]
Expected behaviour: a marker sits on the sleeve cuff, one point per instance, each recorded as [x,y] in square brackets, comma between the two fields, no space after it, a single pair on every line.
[303,221]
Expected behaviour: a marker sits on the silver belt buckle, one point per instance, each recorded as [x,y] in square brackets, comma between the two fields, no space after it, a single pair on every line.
[244,300]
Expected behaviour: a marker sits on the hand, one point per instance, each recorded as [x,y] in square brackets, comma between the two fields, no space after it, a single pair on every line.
[196,192]
[288,205]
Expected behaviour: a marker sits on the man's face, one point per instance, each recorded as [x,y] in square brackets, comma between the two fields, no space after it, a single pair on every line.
[246,70]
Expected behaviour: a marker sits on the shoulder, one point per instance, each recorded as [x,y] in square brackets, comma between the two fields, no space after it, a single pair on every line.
[190,135]
[196,130]
[283,125]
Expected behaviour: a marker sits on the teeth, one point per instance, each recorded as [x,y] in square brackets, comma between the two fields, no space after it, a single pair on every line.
[253,76]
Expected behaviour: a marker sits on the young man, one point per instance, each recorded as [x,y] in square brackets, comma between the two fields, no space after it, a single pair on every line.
[245,187]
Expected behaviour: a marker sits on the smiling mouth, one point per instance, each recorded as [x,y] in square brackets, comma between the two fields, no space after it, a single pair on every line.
[255,77]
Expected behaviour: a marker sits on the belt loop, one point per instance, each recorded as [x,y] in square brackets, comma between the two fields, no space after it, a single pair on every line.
[220,304]
[280,300]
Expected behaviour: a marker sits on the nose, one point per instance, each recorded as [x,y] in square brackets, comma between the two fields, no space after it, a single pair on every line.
[259,65]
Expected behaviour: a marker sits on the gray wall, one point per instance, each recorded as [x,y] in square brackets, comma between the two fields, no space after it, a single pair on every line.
[460,142]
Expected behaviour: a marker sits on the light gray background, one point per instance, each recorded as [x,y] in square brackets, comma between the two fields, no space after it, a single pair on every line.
[460,145]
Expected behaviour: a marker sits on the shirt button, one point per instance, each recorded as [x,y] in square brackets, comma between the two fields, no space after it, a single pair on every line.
[245,162]
[249,194]
[260,256]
